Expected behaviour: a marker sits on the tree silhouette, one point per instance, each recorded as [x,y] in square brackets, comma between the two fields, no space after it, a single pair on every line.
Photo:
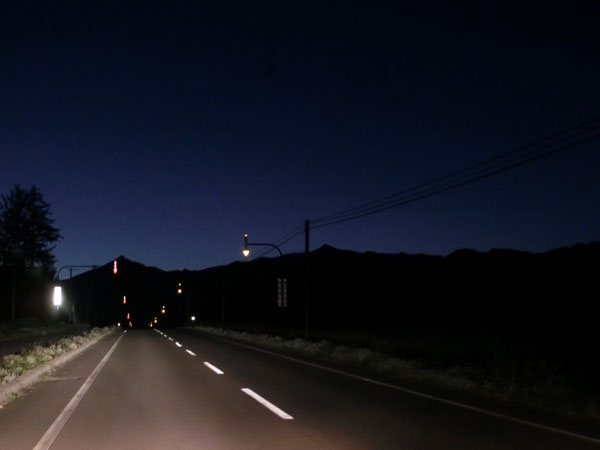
[27,234]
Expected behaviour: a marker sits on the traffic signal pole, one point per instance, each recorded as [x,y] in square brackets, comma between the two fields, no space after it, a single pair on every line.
[306,278]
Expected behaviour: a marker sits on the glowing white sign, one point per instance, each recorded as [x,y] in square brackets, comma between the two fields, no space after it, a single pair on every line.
[57,299]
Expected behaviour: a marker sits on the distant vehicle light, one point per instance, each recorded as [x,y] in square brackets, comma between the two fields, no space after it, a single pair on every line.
[118,324]
[124,299]
[127,316]
[115,270]
[193,318]
[130,325]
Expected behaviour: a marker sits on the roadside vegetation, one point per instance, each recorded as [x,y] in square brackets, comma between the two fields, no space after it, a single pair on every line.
[30,327]
[503,375]
[14,365]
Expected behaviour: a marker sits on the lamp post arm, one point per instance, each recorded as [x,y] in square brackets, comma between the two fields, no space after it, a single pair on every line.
[264,244]
[73,267]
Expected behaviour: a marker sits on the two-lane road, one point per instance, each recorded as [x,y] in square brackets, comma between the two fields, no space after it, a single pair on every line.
[169,389]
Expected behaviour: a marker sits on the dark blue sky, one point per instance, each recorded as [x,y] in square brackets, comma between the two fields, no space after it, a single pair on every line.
[165,130]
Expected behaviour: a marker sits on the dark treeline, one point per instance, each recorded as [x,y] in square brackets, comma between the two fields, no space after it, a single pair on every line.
[503,309]
[347,291]
[30,288]
[350,290]
[466,305]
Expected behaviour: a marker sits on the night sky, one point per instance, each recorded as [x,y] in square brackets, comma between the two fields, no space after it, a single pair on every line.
[163,131]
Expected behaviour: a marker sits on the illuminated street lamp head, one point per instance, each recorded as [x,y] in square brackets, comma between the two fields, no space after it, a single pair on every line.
[246,250]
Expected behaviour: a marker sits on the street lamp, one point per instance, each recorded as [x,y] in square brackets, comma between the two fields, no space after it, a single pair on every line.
[58,291]
[246,250]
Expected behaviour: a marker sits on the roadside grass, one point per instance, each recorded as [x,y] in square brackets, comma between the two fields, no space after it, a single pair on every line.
[14,365]
[501,375]
[30,327]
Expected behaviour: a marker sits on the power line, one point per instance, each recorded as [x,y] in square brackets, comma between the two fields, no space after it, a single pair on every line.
[523,155]
[568,134]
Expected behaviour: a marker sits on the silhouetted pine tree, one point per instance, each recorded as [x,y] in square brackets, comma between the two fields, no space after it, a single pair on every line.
[27,233]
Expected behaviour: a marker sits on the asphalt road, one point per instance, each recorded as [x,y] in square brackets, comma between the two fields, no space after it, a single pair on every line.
[144,391]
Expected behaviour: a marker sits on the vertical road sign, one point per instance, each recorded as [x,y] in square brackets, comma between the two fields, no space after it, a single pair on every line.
[282,292]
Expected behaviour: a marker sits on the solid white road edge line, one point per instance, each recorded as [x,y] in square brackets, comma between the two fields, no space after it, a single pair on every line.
[267,404]
[213,368]
[190,352]
[52,432]
[476,409]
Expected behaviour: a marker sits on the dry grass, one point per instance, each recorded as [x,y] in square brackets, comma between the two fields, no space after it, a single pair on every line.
[535,385]
[13,366]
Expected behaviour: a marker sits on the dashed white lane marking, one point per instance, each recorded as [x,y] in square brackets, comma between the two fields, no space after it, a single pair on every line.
[52,432]
[178,344]
[190,352]
[171,339]
[267,404]
[213,368]
[476,409]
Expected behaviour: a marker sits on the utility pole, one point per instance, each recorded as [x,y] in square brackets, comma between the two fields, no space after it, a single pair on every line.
[306,272]
[223,295]
[14,294]
[70,299]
